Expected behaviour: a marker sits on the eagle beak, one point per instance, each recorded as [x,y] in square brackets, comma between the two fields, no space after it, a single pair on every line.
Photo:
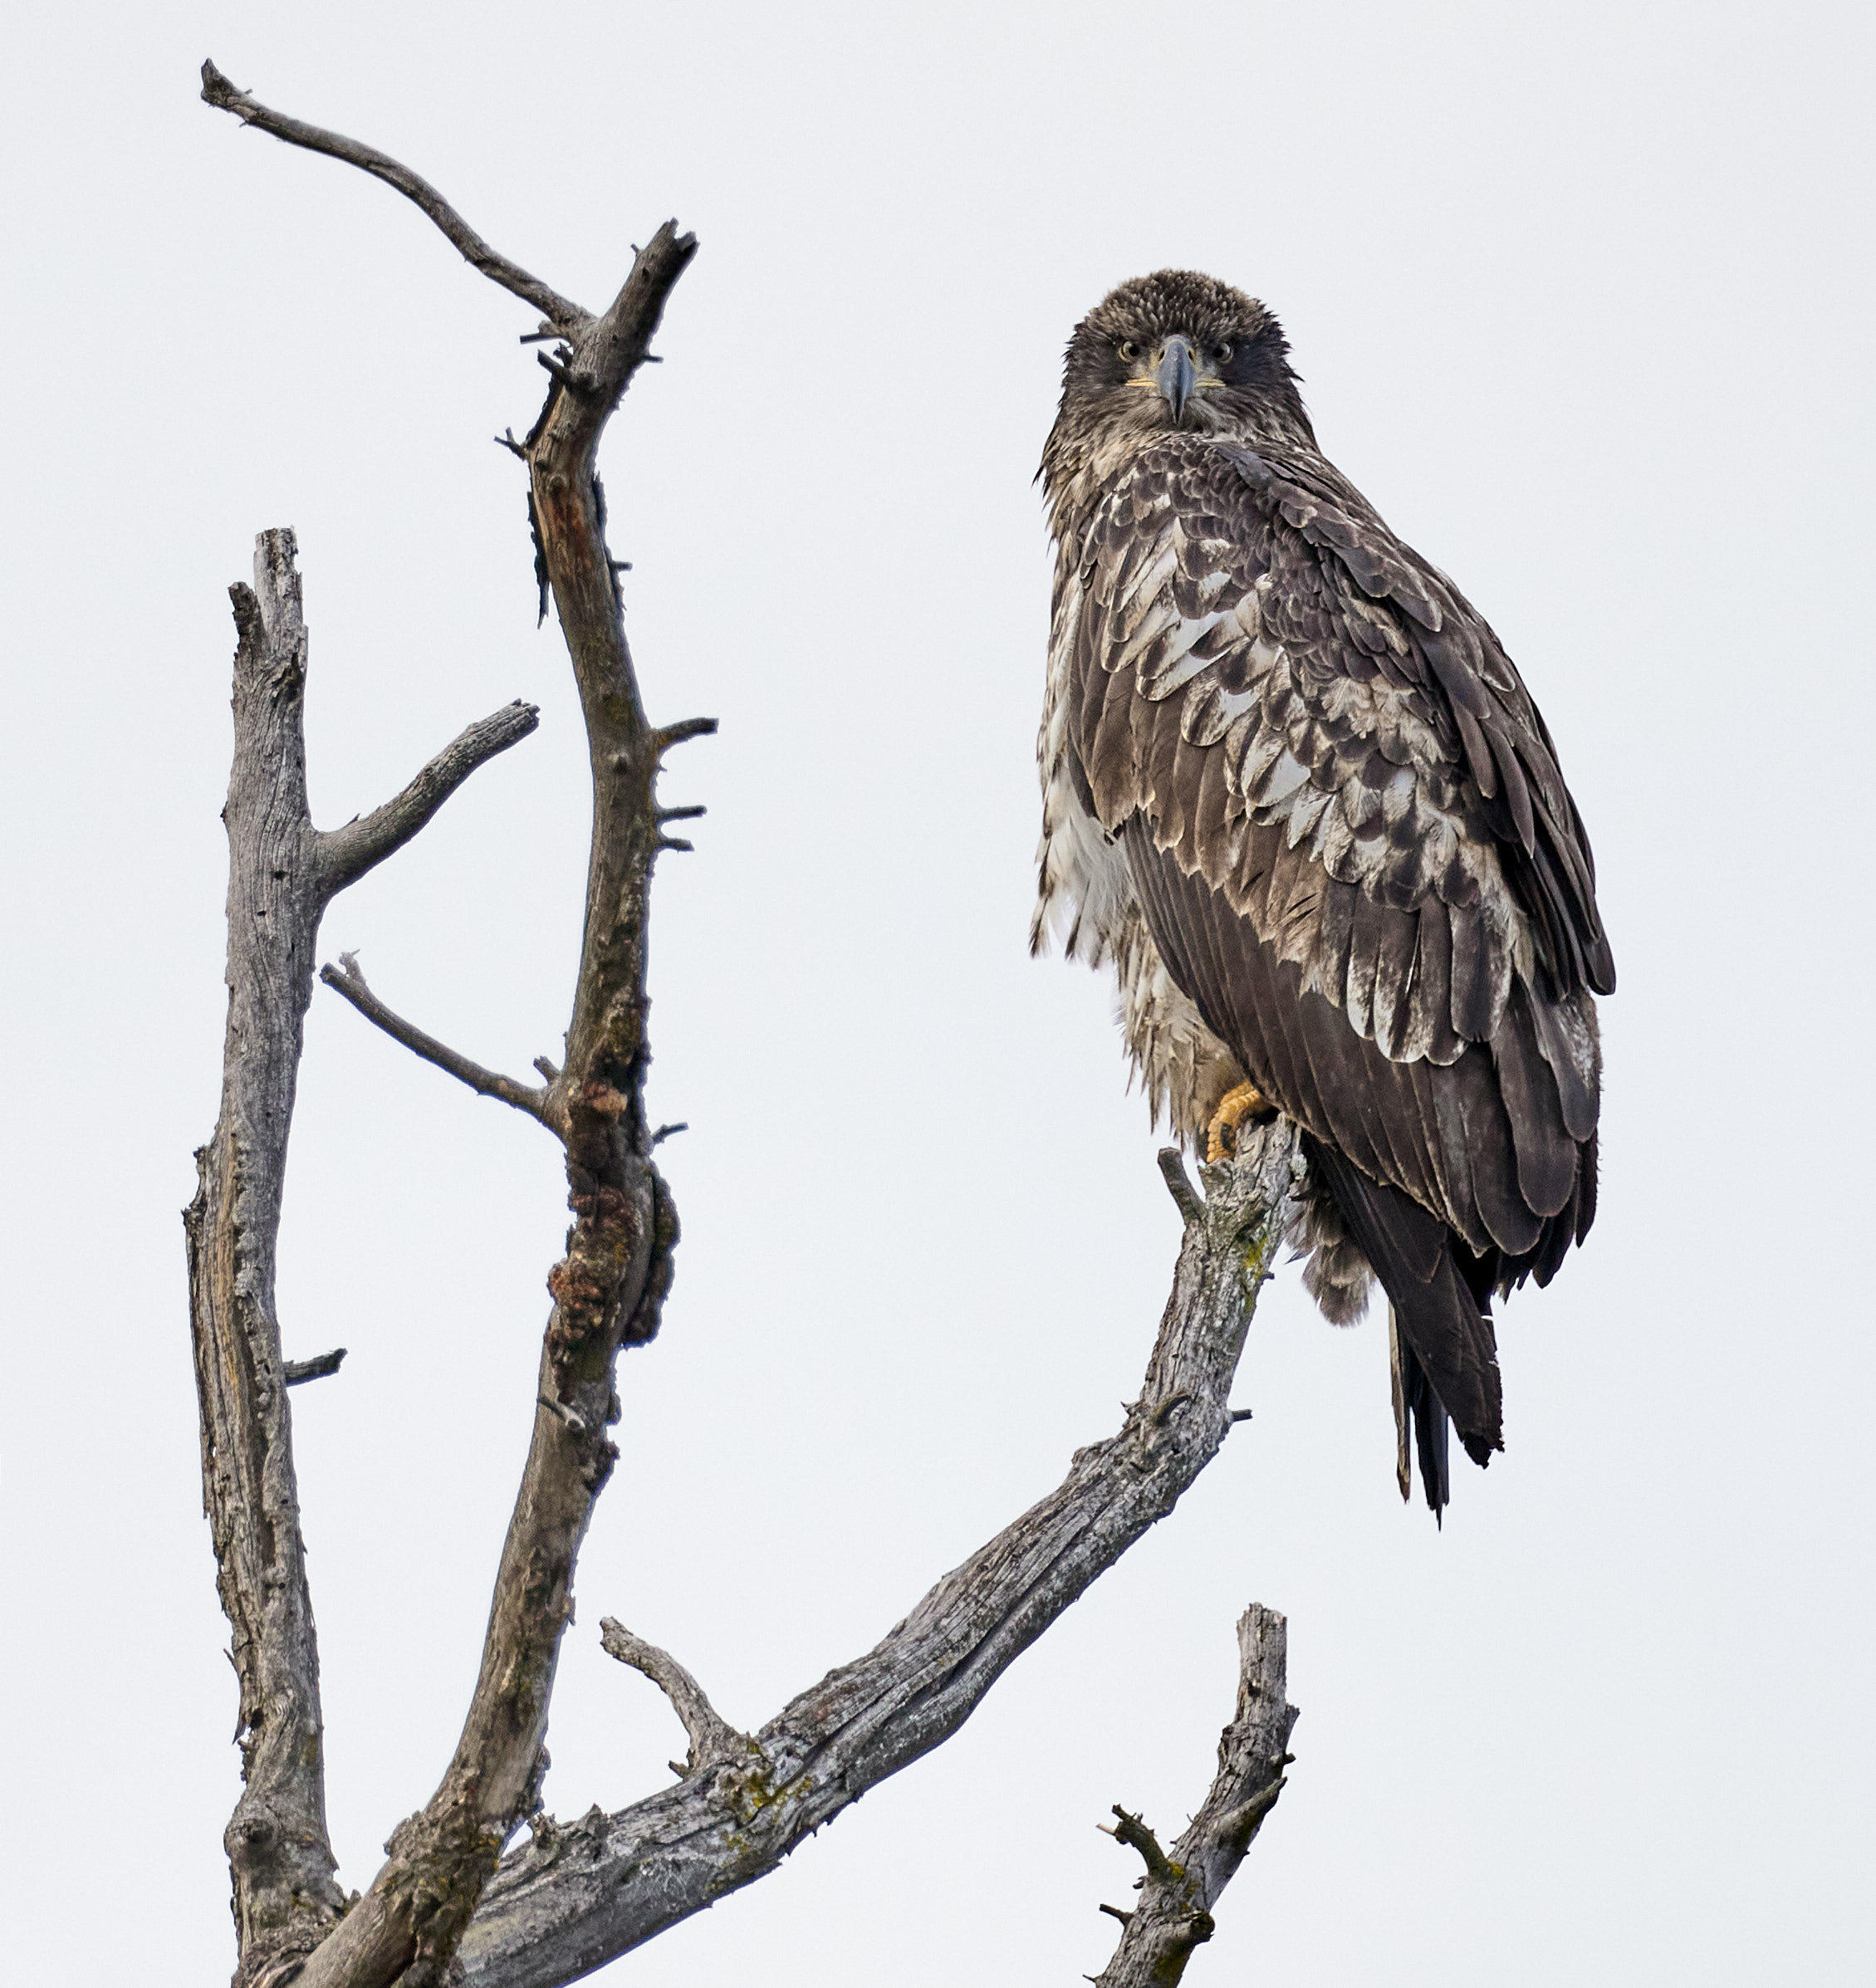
[1175,376]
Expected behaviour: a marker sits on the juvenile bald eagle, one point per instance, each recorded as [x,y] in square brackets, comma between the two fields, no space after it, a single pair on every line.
[1296,793]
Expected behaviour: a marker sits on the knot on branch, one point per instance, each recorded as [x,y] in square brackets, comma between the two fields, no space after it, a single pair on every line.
[648,1315]
[607,1240]
[600,1204]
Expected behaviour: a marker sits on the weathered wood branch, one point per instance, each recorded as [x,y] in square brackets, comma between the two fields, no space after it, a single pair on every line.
[714,1741]
[285,1893]
[609,1288]
[1180,1891]
[564,314]
[347,978]
[576,1897]
[322,1367]
[345,855]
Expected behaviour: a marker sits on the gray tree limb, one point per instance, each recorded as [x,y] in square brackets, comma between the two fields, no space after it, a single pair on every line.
[714,1741]
[347,978]
[564,315]
[1179,1892]
[578,1897]
[322,1367]
[345,855]
[286,1896]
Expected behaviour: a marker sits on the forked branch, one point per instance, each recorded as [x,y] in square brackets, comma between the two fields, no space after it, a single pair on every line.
[284,1894]
[568,1901]
[609,1288]
[1180,1890]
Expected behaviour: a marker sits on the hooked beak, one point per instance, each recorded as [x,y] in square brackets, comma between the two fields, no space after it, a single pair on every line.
[1175,376]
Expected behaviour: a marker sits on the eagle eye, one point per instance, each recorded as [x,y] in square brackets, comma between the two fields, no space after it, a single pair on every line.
[1128,348]
[1221,354]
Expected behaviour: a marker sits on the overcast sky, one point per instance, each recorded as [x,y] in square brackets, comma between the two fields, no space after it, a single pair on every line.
[1580,294]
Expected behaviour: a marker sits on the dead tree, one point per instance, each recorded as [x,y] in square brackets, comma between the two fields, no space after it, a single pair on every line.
[448,1903]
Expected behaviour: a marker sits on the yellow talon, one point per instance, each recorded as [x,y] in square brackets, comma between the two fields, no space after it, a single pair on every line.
[1245,1102]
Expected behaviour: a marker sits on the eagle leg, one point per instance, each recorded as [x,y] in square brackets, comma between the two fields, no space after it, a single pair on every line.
[1245,1102]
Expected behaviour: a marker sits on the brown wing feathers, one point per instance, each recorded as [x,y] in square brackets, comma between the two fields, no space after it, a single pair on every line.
[1296,1049]
[1358,857]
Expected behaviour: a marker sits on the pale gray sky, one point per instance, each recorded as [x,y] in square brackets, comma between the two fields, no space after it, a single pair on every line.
[1580,294]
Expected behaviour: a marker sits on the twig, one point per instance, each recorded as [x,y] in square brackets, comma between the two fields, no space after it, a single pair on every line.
[1181,1889]
[714,1741]
[549,1916]
[219,91]
[536,1100]
[345,855]
[1185,1196]
[668,736]
[294,1372]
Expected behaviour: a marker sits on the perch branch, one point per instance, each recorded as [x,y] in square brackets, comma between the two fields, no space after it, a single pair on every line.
[347,978]
[569,1902]
[219,91]
[714,1741]
[1181,1890]
[319,1368]
[347,853]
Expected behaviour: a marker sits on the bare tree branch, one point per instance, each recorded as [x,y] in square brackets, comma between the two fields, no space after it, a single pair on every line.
[574,1898]
[322,1367]
[285,1893]
[347,978]
[345,855]
[1180,1892]
[609,1290]
[565,315]
[714,1741]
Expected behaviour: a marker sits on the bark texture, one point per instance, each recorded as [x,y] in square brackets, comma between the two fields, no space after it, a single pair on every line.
[577,1896]
[1179,1891]
[282,873]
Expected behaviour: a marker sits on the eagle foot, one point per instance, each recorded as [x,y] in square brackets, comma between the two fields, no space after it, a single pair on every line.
[1245,1102]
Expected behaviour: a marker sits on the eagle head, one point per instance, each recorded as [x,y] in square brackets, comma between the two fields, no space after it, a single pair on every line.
[1170,351]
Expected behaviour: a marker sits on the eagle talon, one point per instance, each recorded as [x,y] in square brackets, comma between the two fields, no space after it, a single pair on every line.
[1245,1102]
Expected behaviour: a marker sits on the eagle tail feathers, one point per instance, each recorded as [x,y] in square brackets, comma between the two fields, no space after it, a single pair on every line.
[1445,1357]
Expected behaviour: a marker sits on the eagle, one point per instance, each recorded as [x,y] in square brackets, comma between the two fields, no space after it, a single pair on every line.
[1297,796]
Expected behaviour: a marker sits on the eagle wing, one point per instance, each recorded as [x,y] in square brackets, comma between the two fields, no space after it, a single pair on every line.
[1357,855]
